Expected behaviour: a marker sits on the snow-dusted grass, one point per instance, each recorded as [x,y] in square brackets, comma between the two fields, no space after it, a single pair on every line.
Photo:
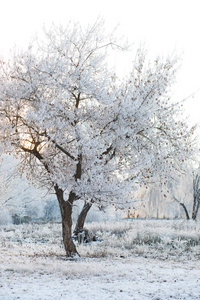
[148,238]
[135,259]
[160,239]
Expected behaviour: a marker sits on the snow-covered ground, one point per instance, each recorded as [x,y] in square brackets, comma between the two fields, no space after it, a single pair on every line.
[134,260]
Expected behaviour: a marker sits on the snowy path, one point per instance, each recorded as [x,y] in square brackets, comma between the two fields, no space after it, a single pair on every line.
[35,278]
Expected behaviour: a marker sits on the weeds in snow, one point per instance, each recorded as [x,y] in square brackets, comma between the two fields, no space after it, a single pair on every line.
[160,239]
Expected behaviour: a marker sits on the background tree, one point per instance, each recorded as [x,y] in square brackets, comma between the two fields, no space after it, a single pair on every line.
[191,200]
[196,195]
[51,211]
[17,195]
[81,131]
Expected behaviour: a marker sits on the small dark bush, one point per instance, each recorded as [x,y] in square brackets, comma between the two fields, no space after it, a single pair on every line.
[19,220]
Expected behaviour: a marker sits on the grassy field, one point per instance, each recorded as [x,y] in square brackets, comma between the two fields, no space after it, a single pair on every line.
[160,239]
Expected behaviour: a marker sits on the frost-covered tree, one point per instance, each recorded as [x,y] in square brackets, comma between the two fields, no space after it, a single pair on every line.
[81,131]
[186,192]
[17,195]
[196,195]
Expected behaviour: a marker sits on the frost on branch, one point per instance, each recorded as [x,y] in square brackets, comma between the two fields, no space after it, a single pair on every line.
[76,128]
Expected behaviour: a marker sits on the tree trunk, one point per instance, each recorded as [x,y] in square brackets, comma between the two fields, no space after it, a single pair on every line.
[196,196]
[195,210]
[81,218]
[66,214]
[184,207]
[186,211]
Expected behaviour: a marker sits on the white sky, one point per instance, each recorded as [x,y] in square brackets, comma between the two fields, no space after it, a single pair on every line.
[164,26]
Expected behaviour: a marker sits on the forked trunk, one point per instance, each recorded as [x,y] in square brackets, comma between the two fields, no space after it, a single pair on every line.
[81,218]
[66,214]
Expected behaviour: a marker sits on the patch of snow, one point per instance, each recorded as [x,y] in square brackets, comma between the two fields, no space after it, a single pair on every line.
[133,278]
